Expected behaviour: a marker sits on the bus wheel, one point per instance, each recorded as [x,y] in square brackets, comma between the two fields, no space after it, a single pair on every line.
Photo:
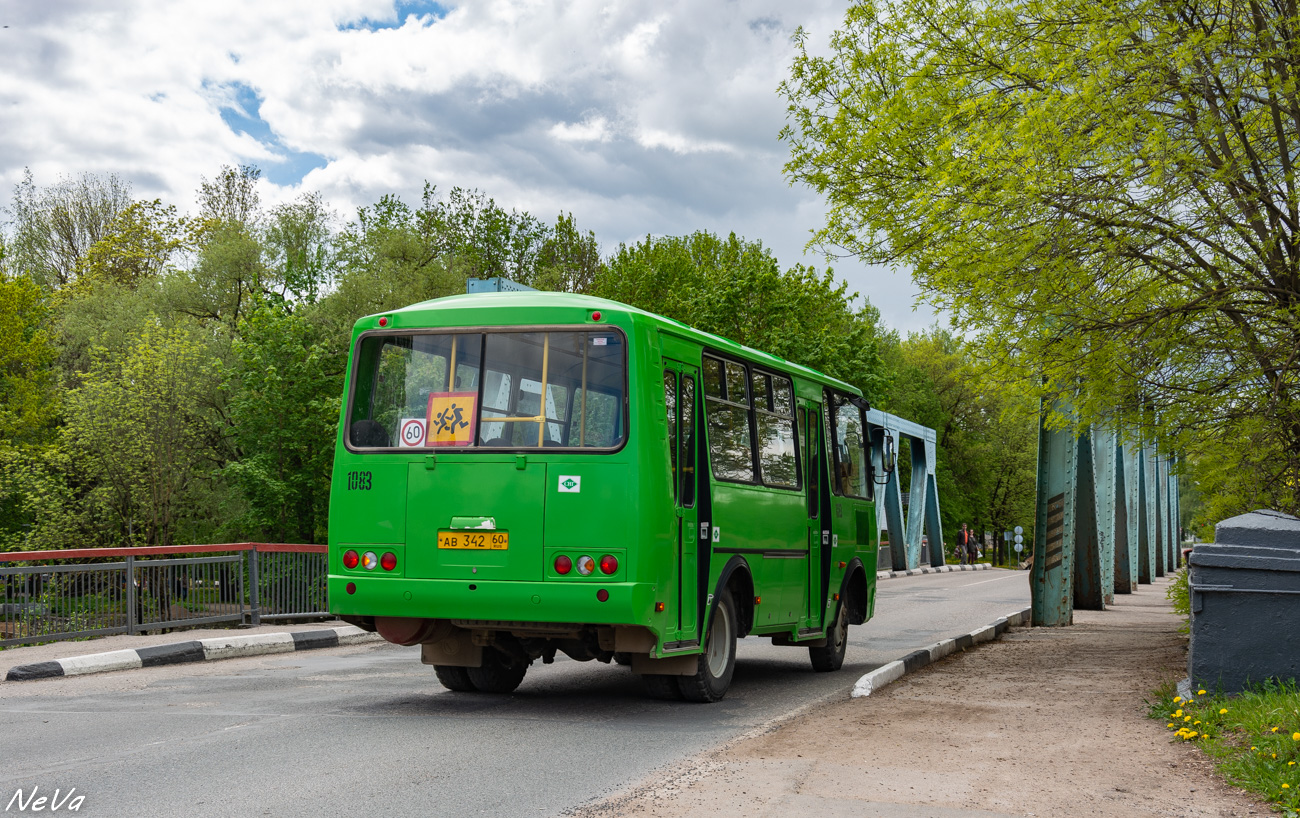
[498,674]
[831,657]
[454,678]
[718,662]
[662,687]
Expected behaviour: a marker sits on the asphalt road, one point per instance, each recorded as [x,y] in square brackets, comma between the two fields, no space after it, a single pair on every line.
[367,730]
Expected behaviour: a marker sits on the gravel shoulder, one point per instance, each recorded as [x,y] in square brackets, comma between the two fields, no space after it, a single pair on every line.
[1044,722]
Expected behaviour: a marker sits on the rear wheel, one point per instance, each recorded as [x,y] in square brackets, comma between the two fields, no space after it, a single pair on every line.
[498,674]
[718,662]
[831,657]
[454,678]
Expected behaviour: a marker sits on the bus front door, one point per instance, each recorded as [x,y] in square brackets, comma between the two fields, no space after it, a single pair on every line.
[680,388]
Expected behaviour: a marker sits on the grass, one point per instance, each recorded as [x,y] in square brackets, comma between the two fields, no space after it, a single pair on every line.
[1253,737]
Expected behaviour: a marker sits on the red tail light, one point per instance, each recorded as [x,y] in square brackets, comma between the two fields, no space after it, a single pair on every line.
[608,564]
[563,564]
[351,559]
[388,561]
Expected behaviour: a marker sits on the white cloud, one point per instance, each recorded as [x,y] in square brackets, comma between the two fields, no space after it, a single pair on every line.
[640,117]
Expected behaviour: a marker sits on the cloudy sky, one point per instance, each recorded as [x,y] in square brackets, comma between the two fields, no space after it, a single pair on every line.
[639,117]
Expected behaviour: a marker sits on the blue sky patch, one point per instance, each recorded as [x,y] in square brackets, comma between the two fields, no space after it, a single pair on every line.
[404,9]
[245,117]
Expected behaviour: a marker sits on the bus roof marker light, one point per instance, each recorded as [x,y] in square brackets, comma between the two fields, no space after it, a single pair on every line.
[383,322]
[595,316]
[659,607]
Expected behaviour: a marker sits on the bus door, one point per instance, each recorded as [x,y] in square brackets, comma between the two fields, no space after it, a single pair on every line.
[819,534]
[680,392]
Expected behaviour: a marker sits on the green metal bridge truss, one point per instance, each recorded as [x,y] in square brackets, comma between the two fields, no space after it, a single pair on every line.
[1107,520]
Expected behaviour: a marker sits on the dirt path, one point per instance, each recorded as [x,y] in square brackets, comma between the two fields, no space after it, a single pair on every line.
[1045,722]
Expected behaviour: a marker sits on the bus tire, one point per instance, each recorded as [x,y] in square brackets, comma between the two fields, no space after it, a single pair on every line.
[662,687]
[454,678]
[497,674]
[718,661]
[831,657]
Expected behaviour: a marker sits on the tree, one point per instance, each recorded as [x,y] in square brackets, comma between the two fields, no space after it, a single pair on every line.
[298,243]
[735,288]
[1105,189]
[54,227]
[137,244]
[138,427]
[28,407]
[986,441]
[284,408]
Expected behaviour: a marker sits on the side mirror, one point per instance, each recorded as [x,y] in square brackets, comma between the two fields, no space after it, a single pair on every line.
[891,457]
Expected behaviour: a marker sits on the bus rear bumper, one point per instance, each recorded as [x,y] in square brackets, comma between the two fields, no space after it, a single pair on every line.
[628,603]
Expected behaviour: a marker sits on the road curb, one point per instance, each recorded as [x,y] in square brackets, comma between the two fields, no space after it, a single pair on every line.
[932,569]
[917,659]
[198,650]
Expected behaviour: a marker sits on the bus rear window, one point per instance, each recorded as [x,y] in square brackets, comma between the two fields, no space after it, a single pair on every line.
[494,390]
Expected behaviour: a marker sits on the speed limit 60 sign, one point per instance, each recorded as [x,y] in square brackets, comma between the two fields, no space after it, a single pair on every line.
[411,432]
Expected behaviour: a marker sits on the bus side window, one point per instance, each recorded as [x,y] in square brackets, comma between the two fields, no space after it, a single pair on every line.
[688,441]
[731,445]
[670,402]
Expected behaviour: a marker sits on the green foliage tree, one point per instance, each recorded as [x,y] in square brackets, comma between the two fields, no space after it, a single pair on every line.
[986,441]
[1105,189]
[283,414]
[28,407]
[139,432]
[735,288]
[55,226]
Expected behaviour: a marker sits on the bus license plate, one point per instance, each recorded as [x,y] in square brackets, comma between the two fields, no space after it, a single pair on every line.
[474,540]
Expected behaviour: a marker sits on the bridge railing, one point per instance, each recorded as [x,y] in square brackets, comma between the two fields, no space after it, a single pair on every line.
[46,596]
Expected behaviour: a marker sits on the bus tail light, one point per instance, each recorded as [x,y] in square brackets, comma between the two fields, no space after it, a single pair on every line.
[563,564]
[608,564]
[369,560]
[388,561]
[351,558]
[586,565]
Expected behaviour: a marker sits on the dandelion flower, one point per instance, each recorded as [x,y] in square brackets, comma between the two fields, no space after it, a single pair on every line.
[1178,712]
[1295,736]
[1187,718]
[1170,724]
[1274,729]
[1177,699]
[1290,764]
[1252,748]
[1223,712]
[1286,786]
[1196,722]
[1200,692]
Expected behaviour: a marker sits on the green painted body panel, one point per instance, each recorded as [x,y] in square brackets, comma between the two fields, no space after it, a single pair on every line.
[625,505]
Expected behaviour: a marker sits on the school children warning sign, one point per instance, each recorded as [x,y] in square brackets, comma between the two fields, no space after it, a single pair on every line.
[453,418]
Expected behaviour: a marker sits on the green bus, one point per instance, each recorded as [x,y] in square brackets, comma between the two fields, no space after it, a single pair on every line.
[521,474]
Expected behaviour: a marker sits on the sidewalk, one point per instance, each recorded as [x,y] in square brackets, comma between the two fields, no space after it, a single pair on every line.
[35,654]
[1044,722]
